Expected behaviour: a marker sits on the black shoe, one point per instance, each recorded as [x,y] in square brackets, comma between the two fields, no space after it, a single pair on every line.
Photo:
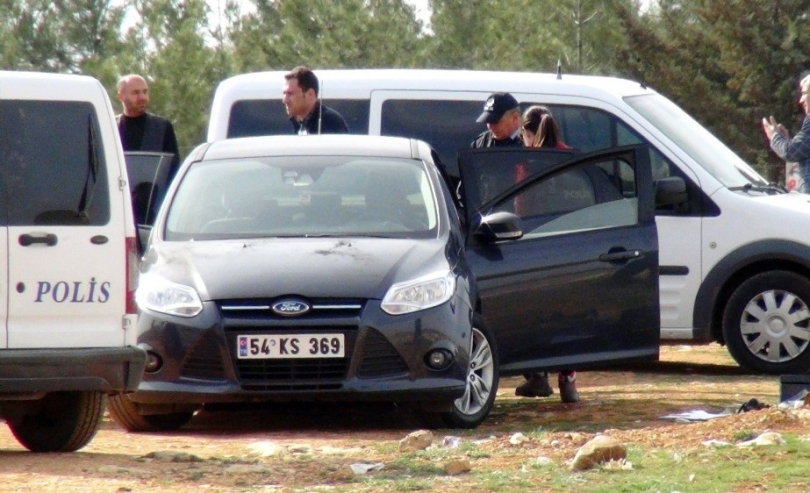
[568,388]
[535,386]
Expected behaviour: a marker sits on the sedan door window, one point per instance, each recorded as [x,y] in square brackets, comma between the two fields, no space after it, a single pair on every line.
[594,196]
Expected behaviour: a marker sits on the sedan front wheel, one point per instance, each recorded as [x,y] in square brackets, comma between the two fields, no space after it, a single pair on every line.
[472,408]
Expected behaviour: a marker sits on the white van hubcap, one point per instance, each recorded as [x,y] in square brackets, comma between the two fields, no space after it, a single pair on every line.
[775,326]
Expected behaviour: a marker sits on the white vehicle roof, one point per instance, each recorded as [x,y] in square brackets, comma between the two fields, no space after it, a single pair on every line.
[38,85]
[360,83]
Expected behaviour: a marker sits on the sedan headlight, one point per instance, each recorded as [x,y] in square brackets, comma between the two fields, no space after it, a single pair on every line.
[419,294]
[161,295]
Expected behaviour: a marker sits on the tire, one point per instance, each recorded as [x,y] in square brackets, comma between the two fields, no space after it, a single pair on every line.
[766,323]
[483,374]
[62,422]
[125,413]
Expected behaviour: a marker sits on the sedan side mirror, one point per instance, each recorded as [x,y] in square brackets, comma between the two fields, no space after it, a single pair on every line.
[670,191]
[498,226]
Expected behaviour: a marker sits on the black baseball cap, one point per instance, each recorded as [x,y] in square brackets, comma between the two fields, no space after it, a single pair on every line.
[496,105]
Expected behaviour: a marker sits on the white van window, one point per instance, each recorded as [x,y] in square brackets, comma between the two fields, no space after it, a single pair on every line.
[449,125]
[700,144]
[52,169]
[254,117]
[445,124]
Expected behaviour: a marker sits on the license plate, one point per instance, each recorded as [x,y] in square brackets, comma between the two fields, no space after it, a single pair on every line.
[286,346]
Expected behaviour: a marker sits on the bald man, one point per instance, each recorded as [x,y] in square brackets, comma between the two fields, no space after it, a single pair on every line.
[140,130]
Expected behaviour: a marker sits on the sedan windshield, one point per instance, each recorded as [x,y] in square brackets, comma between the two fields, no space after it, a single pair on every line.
[701,145]
[303,196]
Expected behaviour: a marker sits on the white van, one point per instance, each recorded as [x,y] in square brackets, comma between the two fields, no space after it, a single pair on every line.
[734,255]
[67,260]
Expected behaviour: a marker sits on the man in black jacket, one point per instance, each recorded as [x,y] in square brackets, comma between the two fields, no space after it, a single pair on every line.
[140,130]
[502,116]
[307,113]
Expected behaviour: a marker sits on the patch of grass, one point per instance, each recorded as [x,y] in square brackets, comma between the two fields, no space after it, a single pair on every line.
[413,465]
[743,435]
[778,468]
[713,470]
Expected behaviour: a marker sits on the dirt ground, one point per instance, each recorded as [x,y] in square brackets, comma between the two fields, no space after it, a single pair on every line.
[297,448]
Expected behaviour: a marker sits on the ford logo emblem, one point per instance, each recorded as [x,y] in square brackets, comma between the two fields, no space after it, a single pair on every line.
[290,308]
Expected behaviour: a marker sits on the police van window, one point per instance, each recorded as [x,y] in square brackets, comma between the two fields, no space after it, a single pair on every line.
[254,117]
[446,125]
[52,169]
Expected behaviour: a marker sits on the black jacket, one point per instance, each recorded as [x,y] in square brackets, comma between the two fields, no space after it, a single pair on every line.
[331,122]
[149,132]
[485,139]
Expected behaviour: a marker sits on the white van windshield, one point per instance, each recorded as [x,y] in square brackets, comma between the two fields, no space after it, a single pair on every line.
[695,140]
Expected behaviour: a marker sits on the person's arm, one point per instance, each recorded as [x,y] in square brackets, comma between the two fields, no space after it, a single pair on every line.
[796,149]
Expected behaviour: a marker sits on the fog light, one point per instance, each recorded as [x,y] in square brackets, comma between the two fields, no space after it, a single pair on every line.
[439,359]
[153,362]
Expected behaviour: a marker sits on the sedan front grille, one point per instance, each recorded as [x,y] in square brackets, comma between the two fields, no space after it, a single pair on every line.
[262,308]
[292,374]
[203,361]
[380,358]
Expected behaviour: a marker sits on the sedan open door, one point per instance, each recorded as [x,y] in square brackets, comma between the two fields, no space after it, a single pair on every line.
[564,249]
[148,181]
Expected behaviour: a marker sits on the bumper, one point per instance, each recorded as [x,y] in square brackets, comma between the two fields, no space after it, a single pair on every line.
[86,369]
[384,359]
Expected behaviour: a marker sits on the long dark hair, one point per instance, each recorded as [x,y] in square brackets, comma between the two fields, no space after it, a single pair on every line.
[538,120]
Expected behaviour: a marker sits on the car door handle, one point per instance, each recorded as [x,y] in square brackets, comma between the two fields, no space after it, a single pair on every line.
[619,256]
[28,240]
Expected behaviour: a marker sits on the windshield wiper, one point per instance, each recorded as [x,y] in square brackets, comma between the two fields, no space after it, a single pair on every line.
[770,189]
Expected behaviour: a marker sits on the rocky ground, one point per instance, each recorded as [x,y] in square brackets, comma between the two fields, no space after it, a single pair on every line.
[313,448]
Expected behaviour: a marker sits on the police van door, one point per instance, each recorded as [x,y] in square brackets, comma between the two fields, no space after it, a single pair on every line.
[66,249]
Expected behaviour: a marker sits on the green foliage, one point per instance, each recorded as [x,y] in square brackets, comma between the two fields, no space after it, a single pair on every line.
[526,35]
[58,36]
[327,34]
[727,62]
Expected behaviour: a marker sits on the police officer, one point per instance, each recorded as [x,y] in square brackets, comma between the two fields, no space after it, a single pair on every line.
[307,112]
[502,116]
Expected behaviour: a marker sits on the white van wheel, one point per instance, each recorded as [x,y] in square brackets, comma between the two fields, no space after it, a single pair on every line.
[472,408]
[766,323]
[60,422]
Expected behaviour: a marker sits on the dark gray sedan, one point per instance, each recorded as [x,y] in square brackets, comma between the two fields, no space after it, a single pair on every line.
[322,268]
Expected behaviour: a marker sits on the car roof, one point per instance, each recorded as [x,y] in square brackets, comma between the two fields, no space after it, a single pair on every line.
[360,83]
[314,145]
[56,87]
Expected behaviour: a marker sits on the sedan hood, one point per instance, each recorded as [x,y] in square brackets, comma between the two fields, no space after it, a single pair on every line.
[310,267]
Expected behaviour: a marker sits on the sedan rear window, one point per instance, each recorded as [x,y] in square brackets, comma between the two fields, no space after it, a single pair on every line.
[303,196]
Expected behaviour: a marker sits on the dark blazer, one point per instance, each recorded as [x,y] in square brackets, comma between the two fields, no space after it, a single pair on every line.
[331,122]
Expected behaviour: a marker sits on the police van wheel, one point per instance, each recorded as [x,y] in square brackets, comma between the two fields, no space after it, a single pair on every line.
[60,422]
[472,408]
[766,323]
[125,413]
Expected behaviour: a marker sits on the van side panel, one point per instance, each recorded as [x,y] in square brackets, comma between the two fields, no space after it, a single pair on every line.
[753,257]
[68,216]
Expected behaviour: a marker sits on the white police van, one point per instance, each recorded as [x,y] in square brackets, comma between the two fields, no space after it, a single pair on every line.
[68,262]
[734,254]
